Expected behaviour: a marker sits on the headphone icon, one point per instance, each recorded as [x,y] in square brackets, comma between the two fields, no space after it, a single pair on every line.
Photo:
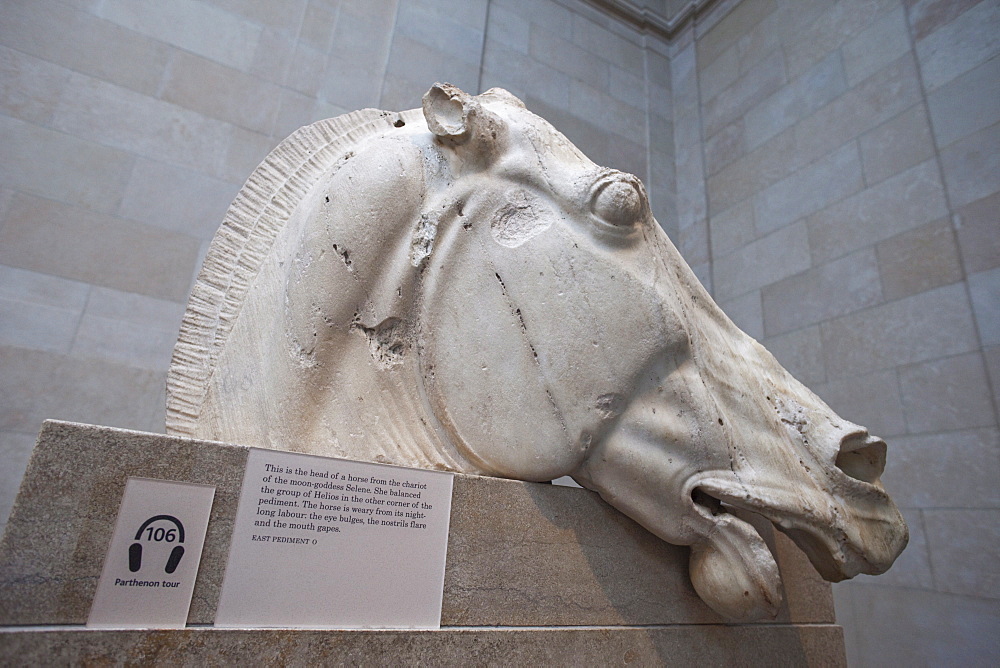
[135,549]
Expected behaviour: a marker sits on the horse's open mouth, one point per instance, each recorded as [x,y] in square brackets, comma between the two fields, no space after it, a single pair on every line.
[834,553]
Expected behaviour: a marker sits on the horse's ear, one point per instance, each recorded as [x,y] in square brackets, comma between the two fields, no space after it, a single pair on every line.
[446,109]
[459,119]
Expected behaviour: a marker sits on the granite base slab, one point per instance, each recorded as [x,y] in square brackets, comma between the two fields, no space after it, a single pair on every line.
[534,572]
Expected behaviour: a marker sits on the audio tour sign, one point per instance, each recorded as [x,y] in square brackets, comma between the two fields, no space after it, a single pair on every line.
[152,562]
[331,543]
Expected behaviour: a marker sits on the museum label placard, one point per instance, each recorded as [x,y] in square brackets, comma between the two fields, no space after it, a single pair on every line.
[330,543]
[152,562]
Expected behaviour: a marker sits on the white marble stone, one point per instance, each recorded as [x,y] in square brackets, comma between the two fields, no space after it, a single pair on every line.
[461,288]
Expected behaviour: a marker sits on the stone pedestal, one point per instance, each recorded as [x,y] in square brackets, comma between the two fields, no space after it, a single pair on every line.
[535,573]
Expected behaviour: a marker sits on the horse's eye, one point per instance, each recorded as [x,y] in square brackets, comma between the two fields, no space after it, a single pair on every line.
[618,202]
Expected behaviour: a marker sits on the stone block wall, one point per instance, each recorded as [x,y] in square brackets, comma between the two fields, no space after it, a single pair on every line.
[126,128]
[844,191]
[828,168]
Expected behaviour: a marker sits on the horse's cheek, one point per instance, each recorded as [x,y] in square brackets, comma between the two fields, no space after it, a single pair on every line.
[482,375]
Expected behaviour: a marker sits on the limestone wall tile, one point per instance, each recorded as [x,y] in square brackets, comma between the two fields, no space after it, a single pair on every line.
[306,70]
[877,45]
[801,352]
[273,55]
[965,544]
[553,17]
[661,122]
[871,399]
[923,327]
[959,45]
[568,58]
[506,80]
[63,167]
[899,143]
[767,260]
[746,312]
[720,74]
[687,122]
[285,15]
[966,104]
[662,195]
[913,627]
[812,89]
[625,54]
[38,385]
[294,111]
[15,450]
[191,25]
[80,41]
[604,111]
[946,394]
[29,86]
[991,355]
[108,114]
[750,174]
[919,260]
[725,146]
[972,166]
[631,89]
[432,26]
[52,238]
[908,200]
[626,155]
[416,64]
[976,225]
[177,199]
[658,66]
[364,30]
[690,185]
[953,469]
[926,16]
[984,289]
[35,288]
[244,151]
[867,105]
[127,343]
[733,26]
[323,110]
[684,81]
[836,25]
[809,189]
[692,242]
[349,84]
[527,74]
[221,92]
[761,39]
[509,28]
[6,194]
[839,287]
[158,314]
[732,229]
[469,13]
[37,326]
[39,311]
[318,21]
[760,81]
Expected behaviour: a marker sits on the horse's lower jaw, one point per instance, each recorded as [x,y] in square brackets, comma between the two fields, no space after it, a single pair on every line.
[832,553]
[734,572]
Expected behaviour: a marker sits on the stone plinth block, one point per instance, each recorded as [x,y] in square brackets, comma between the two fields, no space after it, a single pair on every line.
[535,572]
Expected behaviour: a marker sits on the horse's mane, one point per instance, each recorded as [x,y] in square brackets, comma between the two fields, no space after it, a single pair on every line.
[255,218]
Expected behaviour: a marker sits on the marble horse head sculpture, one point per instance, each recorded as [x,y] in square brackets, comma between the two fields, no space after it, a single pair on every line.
[460,288]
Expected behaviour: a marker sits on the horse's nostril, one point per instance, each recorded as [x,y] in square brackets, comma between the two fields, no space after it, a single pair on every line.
[862,457]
